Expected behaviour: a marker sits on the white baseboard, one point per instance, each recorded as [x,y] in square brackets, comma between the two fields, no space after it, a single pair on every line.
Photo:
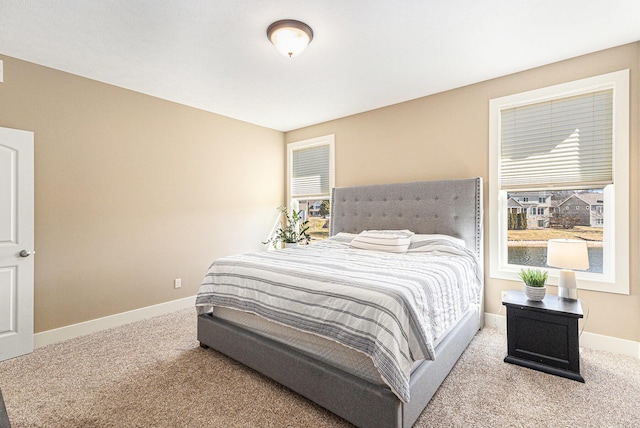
[92,326]
[495,321]
[587,340]
[610,344]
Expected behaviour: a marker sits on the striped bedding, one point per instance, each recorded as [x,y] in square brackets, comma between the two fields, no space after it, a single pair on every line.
[392,307]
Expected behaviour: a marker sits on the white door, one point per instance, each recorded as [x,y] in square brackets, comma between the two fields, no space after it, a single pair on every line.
[16,243]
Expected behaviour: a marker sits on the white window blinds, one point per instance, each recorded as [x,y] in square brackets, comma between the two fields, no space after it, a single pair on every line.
[565,142]
[310,172]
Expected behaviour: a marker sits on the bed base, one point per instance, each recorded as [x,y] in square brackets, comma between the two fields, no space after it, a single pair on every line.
[452,207]
[360,402]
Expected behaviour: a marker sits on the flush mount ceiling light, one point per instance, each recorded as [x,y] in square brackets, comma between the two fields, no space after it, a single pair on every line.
[290,37]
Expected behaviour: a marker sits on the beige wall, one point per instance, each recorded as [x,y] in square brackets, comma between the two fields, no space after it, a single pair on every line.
[447,136]
[132,191]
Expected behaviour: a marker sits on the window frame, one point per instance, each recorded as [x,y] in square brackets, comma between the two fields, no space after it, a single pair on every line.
[306,144]
[615,278]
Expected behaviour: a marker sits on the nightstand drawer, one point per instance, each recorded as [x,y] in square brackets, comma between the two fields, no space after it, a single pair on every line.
[540,337]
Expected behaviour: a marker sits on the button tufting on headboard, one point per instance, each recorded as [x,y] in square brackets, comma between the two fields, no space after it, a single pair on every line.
[452,207]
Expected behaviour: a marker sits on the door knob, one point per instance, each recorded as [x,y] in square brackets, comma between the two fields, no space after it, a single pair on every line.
[25,253]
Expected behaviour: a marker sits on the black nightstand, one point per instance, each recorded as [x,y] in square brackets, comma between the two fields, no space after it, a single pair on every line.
[543,335]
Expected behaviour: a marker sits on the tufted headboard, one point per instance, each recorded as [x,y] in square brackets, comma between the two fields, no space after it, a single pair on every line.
[451,207]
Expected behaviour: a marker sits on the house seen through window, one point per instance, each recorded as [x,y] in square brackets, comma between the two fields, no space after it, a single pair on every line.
[532,221]
[318,213]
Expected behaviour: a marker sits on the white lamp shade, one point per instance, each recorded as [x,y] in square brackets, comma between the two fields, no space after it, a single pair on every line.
[567,254]
[290,37]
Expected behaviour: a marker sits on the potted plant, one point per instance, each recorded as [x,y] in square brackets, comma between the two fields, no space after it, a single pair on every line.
[291,231]
[534,283]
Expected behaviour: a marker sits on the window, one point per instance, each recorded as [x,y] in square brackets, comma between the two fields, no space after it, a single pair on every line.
[568,143]
[310,178]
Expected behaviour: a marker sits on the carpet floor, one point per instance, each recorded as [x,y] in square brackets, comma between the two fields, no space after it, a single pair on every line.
[152,373]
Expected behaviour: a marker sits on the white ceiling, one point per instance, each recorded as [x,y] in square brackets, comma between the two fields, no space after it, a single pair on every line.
[215,55]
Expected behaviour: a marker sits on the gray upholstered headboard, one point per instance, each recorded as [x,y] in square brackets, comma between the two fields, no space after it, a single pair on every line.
[451,207]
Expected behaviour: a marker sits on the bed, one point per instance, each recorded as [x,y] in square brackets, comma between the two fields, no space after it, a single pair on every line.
[358,383]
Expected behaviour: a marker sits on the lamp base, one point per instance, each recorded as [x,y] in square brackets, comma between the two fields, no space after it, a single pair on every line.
[567,289]
[570,294]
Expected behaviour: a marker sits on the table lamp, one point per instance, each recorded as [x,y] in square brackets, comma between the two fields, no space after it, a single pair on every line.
[568,255]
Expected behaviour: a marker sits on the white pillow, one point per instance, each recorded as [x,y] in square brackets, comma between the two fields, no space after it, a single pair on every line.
[343,237]
[403,232]
[418,241]
[382,240]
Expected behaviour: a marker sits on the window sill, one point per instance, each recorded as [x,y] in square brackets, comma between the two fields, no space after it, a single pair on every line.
[584,283]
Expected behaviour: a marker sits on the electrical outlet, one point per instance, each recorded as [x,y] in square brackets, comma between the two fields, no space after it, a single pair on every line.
[177,283]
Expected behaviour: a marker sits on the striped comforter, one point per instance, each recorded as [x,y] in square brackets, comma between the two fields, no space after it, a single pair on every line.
[392,307]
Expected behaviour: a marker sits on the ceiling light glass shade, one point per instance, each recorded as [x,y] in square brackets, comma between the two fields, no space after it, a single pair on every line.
[290,37]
